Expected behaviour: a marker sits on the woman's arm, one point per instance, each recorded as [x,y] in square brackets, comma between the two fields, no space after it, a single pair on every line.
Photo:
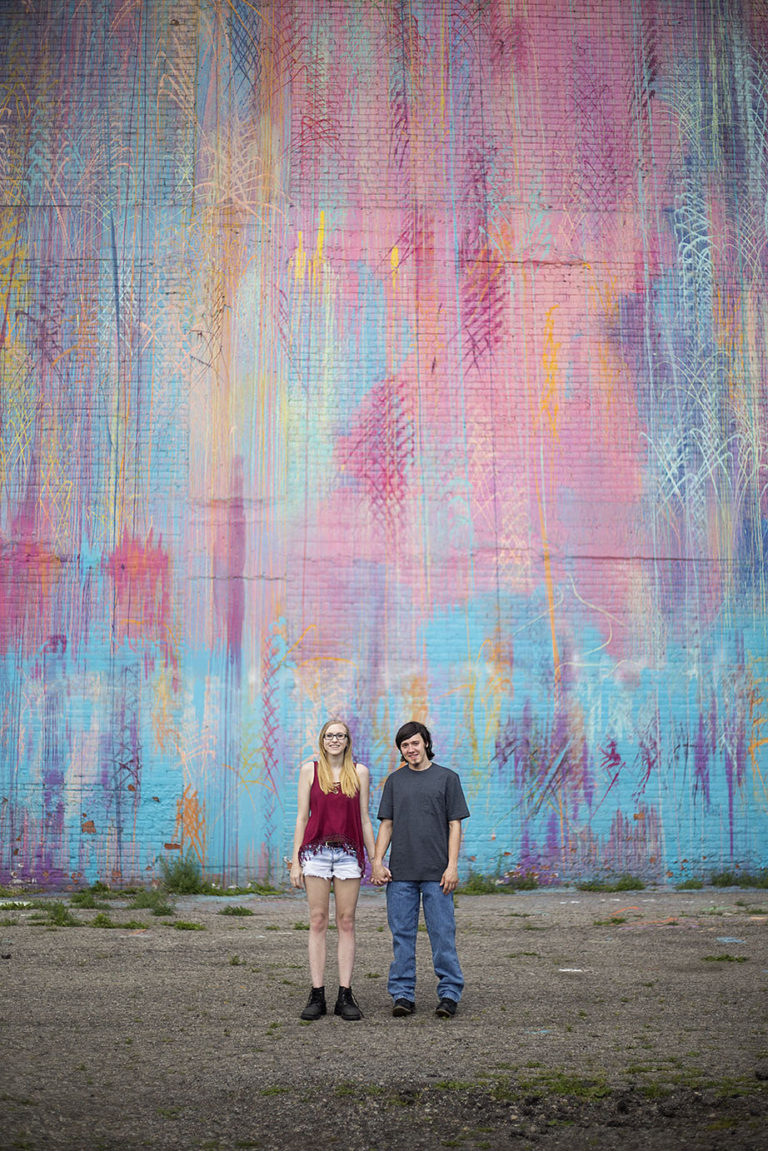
[306,775]
[364,777]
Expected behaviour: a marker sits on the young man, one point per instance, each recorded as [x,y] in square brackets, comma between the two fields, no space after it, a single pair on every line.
[421,810]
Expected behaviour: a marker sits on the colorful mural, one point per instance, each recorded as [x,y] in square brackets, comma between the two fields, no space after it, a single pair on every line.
[386,360]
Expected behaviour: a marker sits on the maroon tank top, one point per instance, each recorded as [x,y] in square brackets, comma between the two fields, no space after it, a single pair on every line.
[334,819]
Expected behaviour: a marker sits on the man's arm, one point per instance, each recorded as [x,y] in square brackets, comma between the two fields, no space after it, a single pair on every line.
[380,873]
[450,877]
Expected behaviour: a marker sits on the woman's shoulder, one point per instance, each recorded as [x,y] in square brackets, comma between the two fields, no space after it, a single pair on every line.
[308,767]
[361,769]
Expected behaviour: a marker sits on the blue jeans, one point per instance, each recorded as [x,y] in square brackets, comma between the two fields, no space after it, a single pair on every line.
[403,900]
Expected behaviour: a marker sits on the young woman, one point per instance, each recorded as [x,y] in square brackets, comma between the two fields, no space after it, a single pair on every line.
[333,833]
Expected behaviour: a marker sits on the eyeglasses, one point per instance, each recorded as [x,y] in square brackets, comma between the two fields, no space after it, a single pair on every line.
[336,736]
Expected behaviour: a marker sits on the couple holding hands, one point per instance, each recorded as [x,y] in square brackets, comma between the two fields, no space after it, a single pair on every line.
[422,806]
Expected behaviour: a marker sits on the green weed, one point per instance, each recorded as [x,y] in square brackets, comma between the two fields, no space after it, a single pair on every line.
[564,1083]
[185,925]
[740,879]
[725,958]
[155,901]
[690,885]
[234,909]
[86,899]
[103,920]
[54,914]
[622,883]
[183,875]
[476,884]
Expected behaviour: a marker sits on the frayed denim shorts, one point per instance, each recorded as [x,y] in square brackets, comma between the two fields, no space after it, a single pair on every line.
[329,862]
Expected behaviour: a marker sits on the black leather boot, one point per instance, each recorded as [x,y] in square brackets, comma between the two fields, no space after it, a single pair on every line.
[346,1005]
[315,1004]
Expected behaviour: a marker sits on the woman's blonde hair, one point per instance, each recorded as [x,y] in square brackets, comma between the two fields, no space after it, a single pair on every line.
[350,784]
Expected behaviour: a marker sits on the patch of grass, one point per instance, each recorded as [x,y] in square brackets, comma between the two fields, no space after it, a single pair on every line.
[520,881]
[621,883]
[86,899]
[54,914]
[740,879]
[253,888]
[235,909]
[104,891]
[154,900]
[564,1083]
[725,958]
[274,1090]
[690,885]
[103,920]
[182,875]
[614,921]
[477,884]
[301,927]
[187,925]
[236,961]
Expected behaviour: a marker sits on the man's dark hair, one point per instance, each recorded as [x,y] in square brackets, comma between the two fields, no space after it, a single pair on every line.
[408,730]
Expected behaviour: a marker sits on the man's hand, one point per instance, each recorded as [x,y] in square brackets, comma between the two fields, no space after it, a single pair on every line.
[450,879]
[380,874]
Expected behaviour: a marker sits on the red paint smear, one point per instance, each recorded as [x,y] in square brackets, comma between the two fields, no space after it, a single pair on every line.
[140,574]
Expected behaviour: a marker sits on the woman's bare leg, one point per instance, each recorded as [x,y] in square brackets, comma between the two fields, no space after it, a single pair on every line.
[318,892]
[345,892]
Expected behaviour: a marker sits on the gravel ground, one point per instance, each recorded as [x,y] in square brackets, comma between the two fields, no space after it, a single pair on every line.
[625,1021]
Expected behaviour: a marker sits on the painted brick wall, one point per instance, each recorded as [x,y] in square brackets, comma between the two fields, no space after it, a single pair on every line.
[383,361]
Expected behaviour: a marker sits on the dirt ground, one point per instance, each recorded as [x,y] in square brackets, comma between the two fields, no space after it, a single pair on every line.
[589,1020]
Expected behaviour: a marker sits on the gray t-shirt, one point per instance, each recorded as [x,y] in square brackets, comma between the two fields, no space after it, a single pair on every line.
[420,805]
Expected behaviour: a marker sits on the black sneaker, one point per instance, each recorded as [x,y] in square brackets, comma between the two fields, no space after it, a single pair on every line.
[403,1007]
[446,1008]
[315,1004]
[346,1005]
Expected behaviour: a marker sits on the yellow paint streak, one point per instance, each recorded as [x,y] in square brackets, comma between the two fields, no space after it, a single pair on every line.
[317,259]
[299,259]
[549,409]
[394,260]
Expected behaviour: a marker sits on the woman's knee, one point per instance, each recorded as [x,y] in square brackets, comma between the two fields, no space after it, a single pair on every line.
[318,921]
[345,922]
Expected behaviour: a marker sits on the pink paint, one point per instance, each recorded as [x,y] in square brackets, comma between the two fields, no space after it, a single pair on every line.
[228,557]
[140,574]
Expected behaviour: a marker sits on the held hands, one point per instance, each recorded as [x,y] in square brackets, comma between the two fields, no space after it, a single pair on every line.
[380,874]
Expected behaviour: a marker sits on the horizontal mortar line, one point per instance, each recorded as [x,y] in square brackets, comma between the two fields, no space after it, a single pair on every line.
[658,559]
[250,578]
